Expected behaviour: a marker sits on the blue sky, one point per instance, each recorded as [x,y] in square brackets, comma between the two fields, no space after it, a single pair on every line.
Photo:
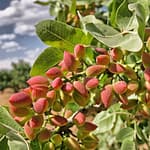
[18,39]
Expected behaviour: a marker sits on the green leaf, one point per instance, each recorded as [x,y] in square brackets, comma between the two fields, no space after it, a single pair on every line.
[61,35]
[113,9]
[48,58]
[139,133]
[105,121]
[16,142]
[128,145]
[118,125]
[125,133]
[14,139]
[3,143]
[35,145]
[124,16]
[73,7]
[107,35]
[139,12]
[6,119]
[42,3]
[54,8]
[72,106]
[145,4]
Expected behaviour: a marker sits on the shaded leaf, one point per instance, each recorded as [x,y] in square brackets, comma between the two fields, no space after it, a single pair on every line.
[128,145]
[124,17]
[48,58]
[42,3]
[139,12]
[125,133]
[16,141]
[113,9]
[35,145]
[6,119]
[3,143]
[105,121]
[72,106]
[110,37]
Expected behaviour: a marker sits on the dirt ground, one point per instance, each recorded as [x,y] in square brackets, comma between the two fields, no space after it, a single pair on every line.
[4,96]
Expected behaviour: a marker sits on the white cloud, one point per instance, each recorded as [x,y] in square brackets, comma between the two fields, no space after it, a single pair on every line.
[10,46]
[24,29]
[7,36]
[6,63]
[31,55]
[23,14]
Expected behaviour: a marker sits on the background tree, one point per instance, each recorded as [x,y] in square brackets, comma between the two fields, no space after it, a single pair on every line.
[16,77]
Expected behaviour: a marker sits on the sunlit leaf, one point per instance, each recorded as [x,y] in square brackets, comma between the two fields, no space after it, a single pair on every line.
[61,35]
[48,58]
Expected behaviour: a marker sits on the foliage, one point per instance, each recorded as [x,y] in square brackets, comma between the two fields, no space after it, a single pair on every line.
[100,70]
[16,77]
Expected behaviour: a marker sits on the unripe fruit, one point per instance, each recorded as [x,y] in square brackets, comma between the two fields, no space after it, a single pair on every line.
[132,87]
[38,92]
[90,142]
[44,135]
[57,83]
[106,95]
[29,132]
[102,60]
[146,59]
[130,73]
[67,87]
[79,119]
[38,80]
[20,99]
[21,120]
[49,146]
[147,85]
[120,87]
[79,51]
[71,144]
[91,83]
[123,99]
[54,72]
[27,90]
[131,105]
[102,51]
[58,121]
[147,98]
[36,122]
[41,105]
[88,127]
[95,70]
[116,68]
[148,43]
[79,99]
[56,139]
[116,54]
[68,113]
[51,96]
[145,111]
[81,134]
[19,111]
[69,63]
[57,106]
[80,87]
[147,74]
[65,98]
